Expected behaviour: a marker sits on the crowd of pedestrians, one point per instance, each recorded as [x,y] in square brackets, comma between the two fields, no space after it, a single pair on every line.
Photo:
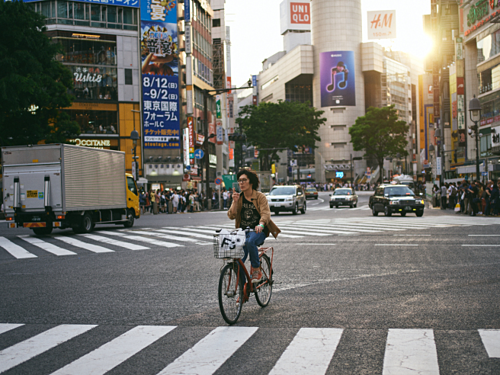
[170,201]
[469,198]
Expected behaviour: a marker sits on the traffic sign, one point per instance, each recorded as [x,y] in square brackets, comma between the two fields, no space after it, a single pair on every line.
[188,167]
[218,181]
[198,154]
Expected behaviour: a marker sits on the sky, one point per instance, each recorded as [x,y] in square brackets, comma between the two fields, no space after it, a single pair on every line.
[255,31]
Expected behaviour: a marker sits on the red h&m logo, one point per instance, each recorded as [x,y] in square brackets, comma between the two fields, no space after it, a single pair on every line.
[300,13]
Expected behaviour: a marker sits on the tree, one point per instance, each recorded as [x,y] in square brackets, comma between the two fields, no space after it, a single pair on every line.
[33,85]
[380,134]
[273,127]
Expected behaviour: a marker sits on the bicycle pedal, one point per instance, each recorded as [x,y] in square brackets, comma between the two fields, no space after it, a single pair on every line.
[229,294]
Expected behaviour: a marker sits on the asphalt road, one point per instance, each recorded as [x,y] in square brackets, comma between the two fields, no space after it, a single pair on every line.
[353,294]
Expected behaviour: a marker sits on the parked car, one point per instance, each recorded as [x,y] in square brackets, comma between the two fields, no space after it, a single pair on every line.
[399,199]
[311,193]
[343,197]
[289,198]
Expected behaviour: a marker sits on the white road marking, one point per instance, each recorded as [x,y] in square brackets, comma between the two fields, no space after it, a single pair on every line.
[115,352]
[53,249]
[484,235]
[491,341]
[310,352]
[169,237]
[5,327]
[474,245]
[347,228]
[144,239]
[412,235]
[191,229]
[112,241]
[15,250]
[315,232]
[211,352]
[83,245]
[410,351]
[181,233]
[396,244]
[314,244]
[25,350]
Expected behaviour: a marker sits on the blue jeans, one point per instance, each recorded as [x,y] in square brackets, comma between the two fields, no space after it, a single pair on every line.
[253,240]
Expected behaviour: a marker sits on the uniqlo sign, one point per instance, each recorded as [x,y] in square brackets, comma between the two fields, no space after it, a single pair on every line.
[300,13]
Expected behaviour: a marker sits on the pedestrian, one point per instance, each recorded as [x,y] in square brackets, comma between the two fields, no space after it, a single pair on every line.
[142,201]
[224,197]
[495,198]
[487,198]
[444,191]
[175,201]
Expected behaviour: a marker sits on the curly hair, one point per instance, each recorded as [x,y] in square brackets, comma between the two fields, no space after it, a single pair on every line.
[252,177]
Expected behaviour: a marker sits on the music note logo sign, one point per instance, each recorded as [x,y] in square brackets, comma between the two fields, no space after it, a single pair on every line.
[339,71]
[337,78]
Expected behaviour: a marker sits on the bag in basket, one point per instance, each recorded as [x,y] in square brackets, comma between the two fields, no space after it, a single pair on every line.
[231,243]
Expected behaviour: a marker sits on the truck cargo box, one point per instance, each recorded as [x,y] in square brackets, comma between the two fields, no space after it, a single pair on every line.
[76,178]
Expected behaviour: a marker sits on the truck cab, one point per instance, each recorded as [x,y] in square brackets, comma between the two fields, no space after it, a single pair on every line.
[133,196]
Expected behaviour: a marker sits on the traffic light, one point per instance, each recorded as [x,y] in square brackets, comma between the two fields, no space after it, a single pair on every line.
[273,168]
[238,137]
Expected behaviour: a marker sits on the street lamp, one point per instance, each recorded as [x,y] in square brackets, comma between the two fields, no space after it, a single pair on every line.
[134,136]
[475,115]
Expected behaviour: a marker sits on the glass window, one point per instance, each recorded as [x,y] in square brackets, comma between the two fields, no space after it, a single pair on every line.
[62,9]
[86,51]
[94,83]
[282,191]
[131,185]
[95,122]
[95,12]
[79,9]
[128,16]
[112,14]
[46,9]
[128,76]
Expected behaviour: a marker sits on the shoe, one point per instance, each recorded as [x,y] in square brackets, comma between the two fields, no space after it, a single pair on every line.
[256,274]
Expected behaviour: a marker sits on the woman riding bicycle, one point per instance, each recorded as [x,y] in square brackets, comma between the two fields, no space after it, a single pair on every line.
[251,210]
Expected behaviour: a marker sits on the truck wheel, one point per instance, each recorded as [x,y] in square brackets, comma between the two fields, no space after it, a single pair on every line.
[43,231]
[87,224]
[130,222]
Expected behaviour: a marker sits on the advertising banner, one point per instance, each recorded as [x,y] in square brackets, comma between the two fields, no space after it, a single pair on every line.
[160,74]
[187,10]
[337,74]
[123,3]
[381,24]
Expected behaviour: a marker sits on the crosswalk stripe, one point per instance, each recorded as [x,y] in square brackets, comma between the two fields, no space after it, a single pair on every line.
[181,233]
[144,239]
[25,350]
[5,327]
[310,352]
[370,226]
[167,236]
[410,351]
[53,249]
[112,241]
[115,352]
[192,229]
[303,231]
[342,228]
[15,250]
[314,232]
[491,341]
[211,352]
[84,245]
[285,233]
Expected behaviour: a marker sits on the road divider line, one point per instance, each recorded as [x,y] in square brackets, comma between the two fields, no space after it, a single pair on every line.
[409,352]
[211,352]
[53,249]
[15,250]
[25,350]
[310,352]
[115,352]
[491,341]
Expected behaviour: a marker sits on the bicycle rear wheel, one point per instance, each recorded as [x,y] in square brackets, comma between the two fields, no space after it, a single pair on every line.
[230,293]
[264,288]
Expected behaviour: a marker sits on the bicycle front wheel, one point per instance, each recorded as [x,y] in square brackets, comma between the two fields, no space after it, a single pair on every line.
[230,293]
[264,288]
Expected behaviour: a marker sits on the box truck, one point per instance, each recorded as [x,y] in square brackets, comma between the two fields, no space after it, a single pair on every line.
[63,186]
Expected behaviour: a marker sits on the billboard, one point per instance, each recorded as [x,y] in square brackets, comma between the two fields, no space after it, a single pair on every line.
[123,3]
[381,24]
[337,82]
[160,74]
[295,15]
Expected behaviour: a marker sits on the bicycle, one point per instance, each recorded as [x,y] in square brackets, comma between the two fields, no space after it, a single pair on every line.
[233,291]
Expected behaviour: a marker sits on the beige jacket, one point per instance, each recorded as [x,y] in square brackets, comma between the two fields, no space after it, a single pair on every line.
[260,202]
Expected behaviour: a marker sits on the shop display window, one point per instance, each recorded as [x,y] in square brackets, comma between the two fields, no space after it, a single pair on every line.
[488,47]
[87,51]
[95,122]
[94,83]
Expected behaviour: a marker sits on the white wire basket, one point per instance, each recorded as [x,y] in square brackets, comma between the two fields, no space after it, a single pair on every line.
[229,245]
